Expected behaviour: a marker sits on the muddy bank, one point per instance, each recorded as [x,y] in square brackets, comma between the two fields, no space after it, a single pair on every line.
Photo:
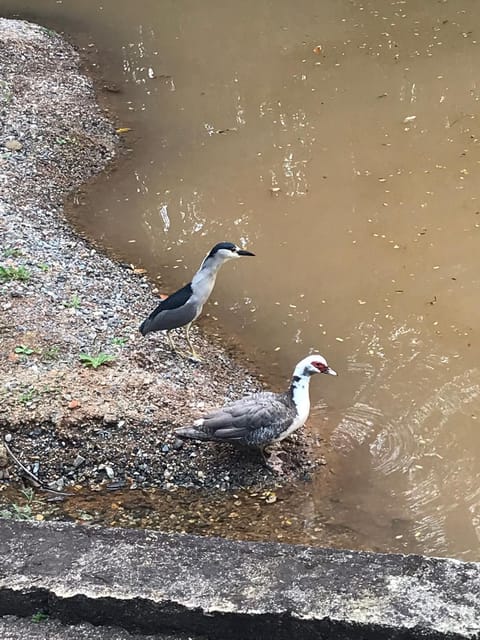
[60,297]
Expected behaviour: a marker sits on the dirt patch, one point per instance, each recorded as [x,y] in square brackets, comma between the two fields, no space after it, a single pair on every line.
[69,423]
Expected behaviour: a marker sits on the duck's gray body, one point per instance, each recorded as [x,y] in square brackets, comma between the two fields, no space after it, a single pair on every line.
[185,305]
[255,421]
[262,418]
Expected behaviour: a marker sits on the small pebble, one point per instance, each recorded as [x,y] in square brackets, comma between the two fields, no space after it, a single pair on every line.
[79,461]
[109,471]
[13,145]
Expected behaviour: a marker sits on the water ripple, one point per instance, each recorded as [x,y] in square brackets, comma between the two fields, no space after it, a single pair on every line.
[395,448]
[357,425]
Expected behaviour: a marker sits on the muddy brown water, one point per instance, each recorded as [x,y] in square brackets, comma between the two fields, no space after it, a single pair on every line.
[340,141]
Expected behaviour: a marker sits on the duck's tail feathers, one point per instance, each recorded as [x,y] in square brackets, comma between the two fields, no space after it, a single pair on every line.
[191,432]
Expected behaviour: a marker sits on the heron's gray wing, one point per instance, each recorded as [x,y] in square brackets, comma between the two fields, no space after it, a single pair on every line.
[254,420]
[175,302]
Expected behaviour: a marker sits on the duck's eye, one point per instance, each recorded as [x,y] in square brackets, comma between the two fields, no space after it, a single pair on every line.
[320,366]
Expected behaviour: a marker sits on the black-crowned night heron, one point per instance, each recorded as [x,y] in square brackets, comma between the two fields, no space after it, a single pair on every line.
[263,418]
[185,305]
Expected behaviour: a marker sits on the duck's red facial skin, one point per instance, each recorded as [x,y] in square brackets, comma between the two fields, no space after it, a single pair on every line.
[320,366]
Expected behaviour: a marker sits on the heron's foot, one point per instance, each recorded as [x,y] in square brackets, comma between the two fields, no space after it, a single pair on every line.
[188,355]
[193,355]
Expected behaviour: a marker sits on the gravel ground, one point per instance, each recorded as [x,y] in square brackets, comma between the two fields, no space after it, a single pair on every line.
[60,297]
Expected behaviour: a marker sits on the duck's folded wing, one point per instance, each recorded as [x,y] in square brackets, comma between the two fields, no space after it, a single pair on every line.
[255,420]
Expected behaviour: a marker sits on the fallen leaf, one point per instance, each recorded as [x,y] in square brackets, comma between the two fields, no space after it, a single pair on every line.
[73,404]
[123,130]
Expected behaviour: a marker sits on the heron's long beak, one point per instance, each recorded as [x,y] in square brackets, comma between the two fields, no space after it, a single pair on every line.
[330,372]
[242,252]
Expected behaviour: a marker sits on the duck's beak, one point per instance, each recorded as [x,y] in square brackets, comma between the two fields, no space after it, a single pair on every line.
[242,252]
[330,372]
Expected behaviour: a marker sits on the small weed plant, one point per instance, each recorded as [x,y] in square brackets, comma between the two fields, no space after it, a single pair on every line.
[40,616]
[25,351]
[14,273]
[30,395]
[73,303]
[52,353]
[94,362]
[20,512]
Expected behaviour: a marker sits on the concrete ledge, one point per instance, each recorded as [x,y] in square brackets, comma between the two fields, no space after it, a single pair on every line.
[143,581]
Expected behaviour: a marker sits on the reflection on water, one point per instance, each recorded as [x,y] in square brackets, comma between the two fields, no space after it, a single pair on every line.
[340,143]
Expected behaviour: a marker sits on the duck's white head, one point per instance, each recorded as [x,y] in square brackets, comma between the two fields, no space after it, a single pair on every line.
[313,364]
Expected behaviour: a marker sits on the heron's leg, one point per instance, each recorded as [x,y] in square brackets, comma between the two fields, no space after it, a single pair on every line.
[195,355]
[174,347]
[170,341]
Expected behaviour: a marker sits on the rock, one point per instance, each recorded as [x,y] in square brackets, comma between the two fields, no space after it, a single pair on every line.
[79,461]
[57,485]
[13,145]
[118,484]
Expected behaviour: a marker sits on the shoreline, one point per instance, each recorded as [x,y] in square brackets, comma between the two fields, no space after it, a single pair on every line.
[60,297]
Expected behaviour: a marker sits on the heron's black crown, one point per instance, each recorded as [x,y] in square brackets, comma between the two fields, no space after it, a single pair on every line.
[229,246]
